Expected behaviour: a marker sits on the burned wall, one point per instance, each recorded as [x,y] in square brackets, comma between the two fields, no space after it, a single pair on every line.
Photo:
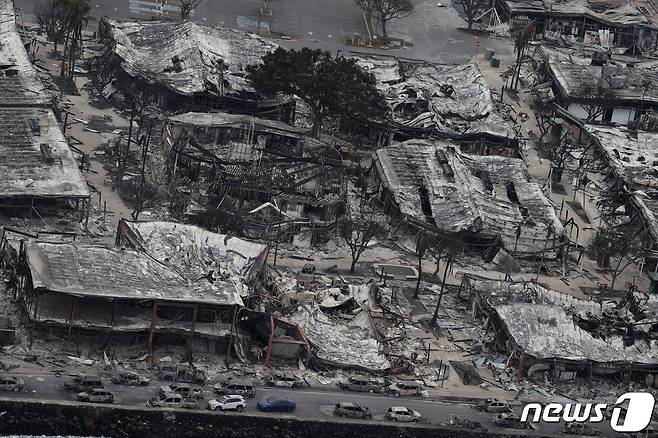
[39,418]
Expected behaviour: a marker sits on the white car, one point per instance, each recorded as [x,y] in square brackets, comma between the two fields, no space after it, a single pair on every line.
[227,403]
[399,413]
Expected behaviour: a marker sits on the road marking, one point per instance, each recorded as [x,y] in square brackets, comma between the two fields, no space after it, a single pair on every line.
[353,395]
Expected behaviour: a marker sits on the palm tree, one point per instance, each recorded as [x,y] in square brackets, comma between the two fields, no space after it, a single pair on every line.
[522,37]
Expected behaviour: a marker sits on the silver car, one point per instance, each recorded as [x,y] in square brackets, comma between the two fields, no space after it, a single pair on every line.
[96,396]
[172,400]
[10,383]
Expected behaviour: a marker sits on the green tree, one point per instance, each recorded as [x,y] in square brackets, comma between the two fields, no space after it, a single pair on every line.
[616,248]
[329,86]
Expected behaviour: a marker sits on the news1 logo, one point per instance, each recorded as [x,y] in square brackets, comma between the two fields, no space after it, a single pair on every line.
[638,413]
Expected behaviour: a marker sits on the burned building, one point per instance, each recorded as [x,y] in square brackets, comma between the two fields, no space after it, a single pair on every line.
[604,93]
[188,66]
[38,171]
[436,101]
[170,283]
[228,168]
[630,185]
[488,199]
[536,325]
[607,23]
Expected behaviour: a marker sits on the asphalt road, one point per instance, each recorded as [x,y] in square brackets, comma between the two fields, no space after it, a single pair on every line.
[431,32]
[312,403]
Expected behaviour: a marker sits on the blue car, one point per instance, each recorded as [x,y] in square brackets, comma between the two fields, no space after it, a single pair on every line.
[276,404]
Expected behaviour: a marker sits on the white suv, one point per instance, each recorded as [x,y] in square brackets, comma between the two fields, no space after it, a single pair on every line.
[227,403]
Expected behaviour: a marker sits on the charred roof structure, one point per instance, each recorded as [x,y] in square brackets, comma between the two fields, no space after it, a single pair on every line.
[431,184]
[607,23]
[607,93]
[539,325]
[436,101]
[632,160]
[190,66]
[19,83]
[38,171]
[230,170]
[173,280]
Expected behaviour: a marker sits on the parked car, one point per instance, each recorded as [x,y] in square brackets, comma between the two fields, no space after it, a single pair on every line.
[227,403]
[405,389]
[11,383]
[241,388]
[352,410]
[172,400]
[182,372]
[131,379]
[277,404]
[285,381]
[580,429]
[83,383]
[511,421]
[399,413]
[493,405]
[361,384]
[183,389]
[97,395]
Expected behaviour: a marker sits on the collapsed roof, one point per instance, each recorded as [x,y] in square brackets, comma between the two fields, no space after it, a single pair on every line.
[192,251]
[236,121]
[434,184]
[633,157]
[617,83]
[447,101]
[614,12]
[187,57]
[19,83]
[542,323]
[339,344]
[96,271]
